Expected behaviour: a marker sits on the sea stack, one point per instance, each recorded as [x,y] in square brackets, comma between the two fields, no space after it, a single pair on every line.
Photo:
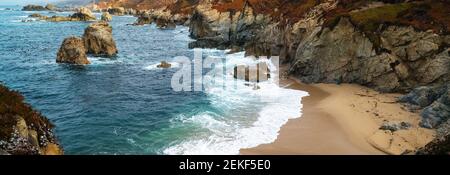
[98,40]
[72,51]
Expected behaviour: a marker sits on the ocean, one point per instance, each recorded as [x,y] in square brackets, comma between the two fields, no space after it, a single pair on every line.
[126,105]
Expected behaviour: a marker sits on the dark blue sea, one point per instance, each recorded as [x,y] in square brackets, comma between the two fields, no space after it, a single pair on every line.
[126,105]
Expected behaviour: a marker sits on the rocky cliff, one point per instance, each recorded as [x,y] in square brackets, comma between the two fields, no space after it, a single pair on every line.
[24,131]
[389,45]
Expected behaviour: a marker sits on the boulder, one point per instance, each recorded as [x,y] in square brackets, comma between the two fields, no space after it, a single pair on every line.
[257,73]
[164,64]
[84,14]
[106,17]
[72,51]
[98,40]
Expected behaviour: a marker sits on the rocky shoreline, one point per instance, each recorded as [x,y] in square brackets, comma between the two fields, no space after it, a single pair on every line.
[388,45]
[24,131]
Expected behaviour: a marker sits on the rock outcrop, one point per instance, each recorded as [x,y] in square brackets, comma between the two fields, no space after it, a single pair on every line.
[83,14]
[34,8]
[165,24]
[434,102]
[72,51]
[50,7]
[117,11]
[441,144]
[24,131]
[344,54]
[164,64]
[144,18]
[106,17]
[98,40]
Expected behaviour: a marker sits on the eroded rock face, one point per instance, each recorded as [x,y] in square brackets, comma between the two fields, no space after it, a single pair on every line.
[106,17]
[98,40]
[212,28]
[72,51]
[345,55]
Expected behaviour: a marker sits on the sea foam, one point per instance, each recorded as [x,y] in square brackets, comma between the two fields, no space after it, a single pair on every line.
[227,136]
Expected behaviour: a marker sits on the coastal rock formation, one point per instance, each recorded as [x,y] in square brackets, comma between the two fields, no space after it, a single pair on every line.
[257,73]
[83,14]
[435,102]
[441,144]
[345,55]
[98,40]
[72,51]
[34,8]
[165,24]
[164,64]
[106,17]
[24,131]
[117,11]
[143,19]
[50,7]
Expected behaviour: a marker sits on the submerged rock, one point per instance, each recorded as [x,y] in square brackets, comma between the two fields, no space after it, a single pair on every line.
[106,17]
[164,64]
[98,40]
[72,51]
[257,73]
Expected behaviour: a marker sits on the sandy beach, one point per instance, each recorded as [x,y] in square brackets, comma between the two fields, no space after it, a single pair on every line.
[344,120]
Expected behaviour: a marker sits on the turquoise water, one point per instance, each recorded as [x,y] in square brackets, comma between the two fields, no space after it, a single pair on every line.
[127,106]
